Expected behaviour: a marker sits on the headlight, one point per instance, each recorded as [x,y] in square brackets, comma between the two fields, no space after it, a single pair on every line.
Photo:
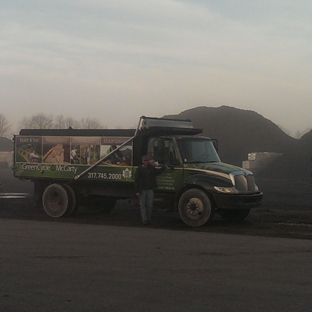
[228,190]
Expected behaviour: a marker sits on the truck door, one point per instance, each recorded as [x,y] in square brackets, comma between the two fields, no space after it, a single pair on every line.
[165,152]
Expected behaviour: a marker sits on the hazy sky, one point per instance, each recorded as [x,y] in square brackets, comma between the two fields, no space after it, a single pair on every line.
[118,60]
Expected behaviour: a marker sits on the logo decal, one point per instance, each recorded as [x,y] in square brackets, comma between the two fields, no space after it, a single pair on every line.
[126,173]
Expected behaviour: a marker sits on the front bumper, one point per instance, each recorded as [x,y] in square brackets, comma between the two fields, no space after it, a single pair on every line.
[238,201]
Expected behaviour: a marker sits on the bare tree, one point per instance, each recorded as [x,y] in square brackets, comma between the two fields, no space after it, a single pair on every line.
[4,125]
[72,123]
[90,123]
[66,122]
[60,122]
[39,121]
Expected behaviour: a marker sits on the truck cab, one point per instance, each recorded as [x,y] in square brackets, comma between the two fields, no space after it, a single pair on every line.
[202,184]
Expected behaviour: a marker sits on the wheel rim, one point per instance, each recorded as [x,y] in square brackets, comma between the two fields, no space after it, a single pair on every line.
[194,207]
[55,200]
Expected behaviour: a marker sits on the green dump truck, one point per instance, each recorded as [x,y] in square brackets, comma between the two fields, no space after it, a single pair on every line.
[75,167]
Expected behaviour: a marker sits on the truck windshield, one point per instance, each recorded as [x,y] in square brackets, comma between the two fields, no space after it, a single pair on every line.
[199,150]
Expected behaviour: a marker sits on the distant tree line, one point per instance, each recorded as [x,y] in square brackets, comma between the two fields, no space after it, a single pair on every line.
[4,125]
[42,121]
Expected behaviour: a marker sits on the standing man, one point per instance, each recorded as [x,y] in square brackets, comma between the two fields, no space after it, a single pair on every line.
[145,183]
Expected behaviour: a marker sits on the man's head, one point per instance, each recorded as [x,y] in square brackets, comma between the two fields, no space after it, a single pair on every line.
[145,159]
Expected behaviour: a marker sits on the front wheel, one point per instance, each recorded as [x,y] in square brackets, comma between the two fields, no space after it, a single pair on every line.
[234,215]
[195,207]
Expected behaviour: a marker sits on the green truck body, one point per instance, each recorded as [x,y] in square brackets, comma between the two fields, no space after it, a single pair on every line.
[73,167]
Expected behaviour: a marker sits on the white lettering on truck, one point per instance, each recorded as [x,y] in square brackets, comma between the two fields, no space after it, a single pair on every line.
[42,168]
[66,168]
[37,167]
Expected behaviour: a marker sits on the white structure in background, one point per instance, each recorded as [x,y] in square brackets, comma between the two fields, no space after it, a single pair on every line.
[259,160]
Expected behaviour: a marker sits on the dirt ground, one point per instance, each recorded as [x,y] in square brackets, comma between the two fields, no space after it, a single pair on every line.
[286,211]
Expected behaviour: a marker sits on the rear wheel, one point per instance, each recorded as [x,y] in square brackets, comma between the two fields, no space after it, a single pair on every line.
[234,214]
[72,204]
[195,207]
[55,200]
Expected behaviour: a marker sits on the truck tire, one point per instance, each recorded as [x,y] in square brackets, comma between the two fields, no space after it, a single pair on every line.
[195,207]
[55,200]
[72,203]
[234,215]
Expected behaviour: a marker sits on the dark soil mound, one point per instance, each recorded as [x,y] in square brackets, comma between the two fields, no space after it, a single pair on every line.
[296,162]
[238,131]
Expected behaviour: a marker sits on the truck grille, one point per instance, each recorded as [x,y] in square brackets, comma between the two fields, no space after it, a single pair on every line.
[245,183]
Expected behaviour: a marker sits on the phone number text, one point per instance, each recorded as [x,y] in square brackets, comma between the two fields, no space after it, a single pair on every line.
[107,176]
